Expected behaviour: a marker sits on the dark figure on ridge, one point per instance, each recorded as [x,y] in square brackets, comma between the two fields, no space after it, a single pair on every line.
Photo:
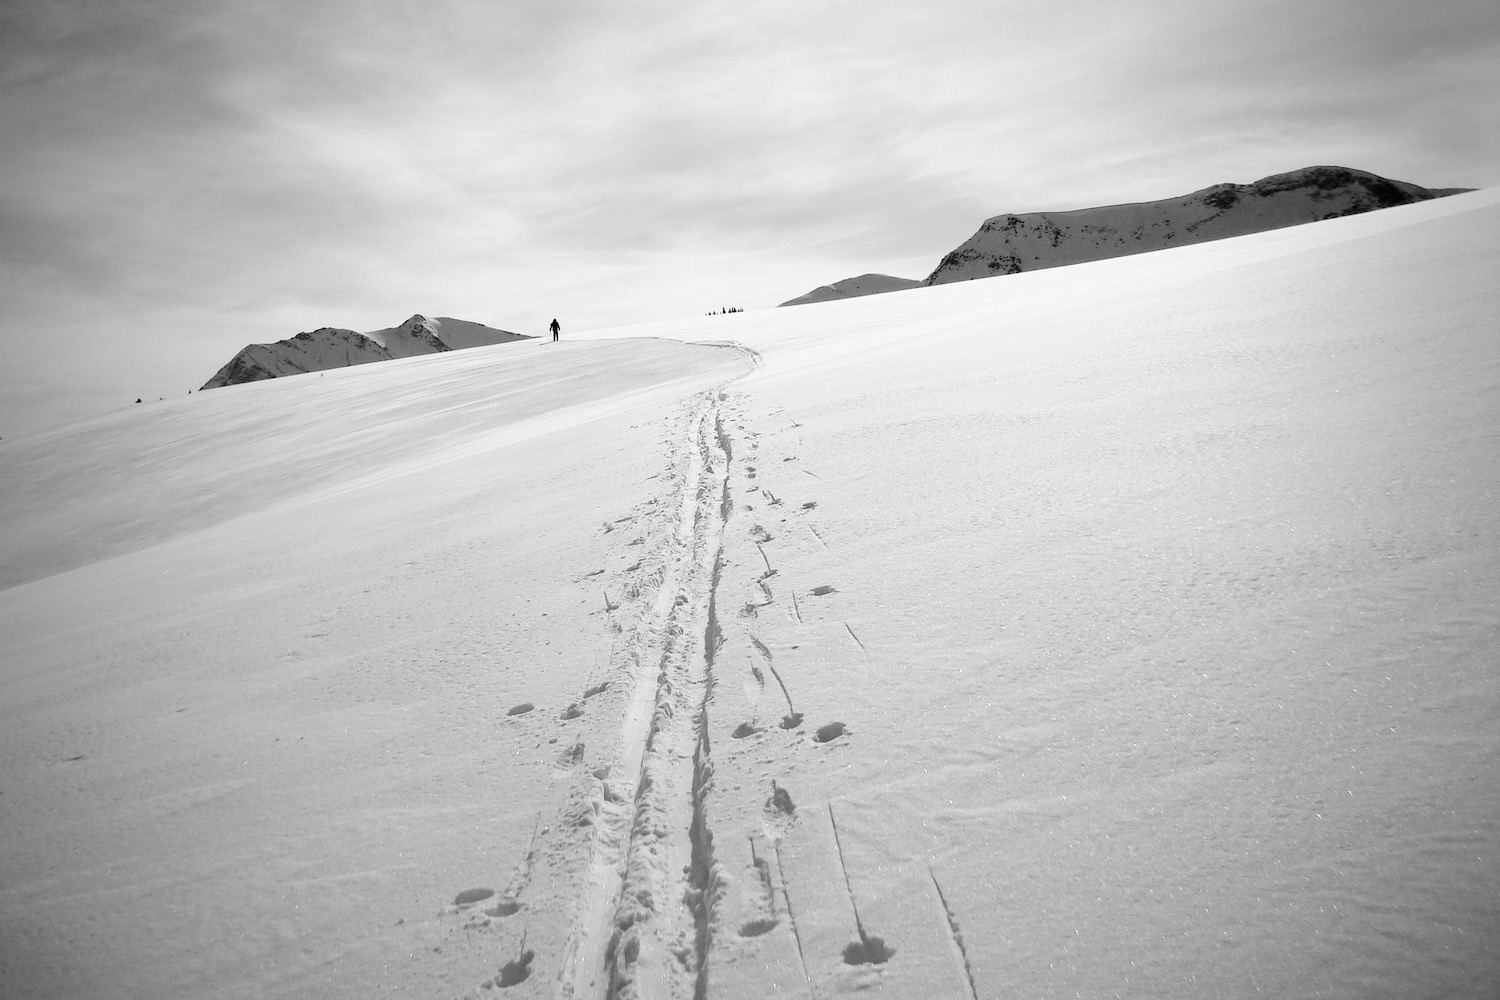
[555,328]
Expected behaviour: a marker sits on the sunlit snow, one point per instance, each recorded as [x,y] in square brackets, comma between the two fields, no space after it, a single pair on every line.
[1124,629]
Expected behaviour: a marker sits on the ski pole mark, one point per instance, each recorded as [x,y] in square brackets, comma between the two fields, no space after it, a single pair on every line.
[753,694]
[510,902]
[856,639]
[956,934]
[870,949]
[518,970]
[791,917]
[769,570]
[793,718]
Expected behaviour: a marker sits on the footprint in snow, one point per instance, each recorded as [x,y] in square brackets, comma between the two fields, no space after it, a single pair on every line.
[870,950]
[504,908]
[830,732]
[515,971]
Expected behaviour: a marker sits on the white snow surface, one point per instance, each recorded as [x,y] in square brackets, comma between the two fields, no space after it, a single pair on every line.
[1134,626]
[848,288]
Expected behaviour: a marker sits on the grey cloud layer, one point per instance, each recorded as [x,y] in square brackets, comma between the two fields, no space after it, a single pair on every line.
[345,162]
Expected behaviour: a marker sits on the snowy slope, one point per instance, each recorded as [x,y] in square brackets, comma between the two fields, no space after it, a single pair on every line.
[1124,629]
[310,351]
[1008,244]
[864,284]
[328,347]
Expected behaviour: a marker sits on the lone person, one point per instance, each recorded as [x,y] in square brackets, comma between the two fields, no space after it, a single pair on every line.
[555,328]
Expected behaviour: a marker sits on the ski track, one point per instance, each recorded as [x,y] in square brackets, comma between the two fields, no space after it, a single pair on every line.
[654,895]
[644,928]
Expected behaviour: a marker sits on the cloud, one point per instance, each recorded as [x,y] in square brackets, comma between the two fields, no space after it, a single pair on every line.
[217,172]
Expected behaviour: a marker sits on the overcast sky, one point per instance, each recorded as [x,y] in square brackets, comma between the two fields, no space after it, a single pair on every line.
[179,178]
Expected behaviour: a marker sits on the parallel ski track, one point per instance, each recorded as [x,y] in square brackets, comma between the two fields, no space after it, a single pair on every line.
[645,926]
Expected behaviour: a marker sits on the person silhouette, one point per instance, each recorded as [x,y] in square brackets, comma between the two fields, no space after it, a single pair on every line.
[555,327]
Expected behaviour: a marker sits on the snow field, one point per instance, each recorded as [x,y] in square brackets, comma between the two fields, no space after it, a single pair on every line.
[264,757]
[1152,611]
[1125,629]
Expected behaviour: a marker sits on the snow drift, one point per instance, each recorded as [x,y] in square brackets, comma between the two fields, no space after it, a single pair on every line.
[1122,629]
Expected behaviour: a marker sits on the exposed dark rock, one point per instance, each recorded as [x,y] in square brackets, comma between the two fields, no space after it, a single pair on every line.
[330,347]
[1006,244]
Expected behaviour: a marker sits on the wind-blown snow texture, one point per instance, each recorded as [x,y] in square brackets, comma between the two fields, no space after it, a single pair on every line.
[1123,629]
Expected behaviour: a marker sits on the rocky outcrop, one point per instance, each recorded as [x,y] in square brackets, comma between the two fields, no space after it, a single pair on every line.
[332,347]
[1007,244]
[316,350]
[418,335]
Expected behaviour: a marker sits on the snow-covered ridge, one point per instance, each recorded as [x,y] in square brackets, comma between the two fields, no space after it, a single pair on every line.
[1011,243]
[1008,244]
[331,347]
[1119,629]
[864,284]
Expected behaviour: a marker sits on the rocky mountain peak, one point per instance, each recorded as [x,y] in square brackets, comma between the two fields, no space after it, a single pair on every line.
[1011,243]
[331,347]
